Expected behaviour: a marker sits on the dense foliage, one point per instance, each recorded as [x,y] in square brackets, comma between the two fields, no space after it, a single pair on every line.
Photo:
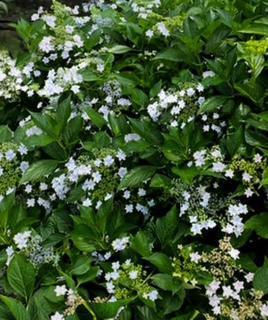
[133,162]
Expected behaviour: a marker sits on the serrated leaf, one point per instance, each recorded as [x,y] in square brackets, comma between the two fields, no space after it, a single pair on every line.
[259,223]
[212,104]
[17,309]
[21,276]
[137,176]
[141,243]
[38,170]
[260,281]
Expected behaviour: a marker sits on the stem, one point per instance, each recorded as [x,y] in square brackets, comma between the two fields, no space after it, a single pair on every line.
[195,315]
[85,304]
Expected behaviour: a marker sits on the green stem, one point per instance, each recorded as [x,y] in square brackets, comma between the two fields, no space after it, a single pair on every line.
[195,315]
[86,305]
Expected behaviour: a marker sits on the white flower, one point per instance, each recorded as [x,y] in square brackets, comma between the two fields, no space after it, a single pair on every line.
[28,188]
[110,287]
[162,29]
[196,228]
[218,167]
[87,203]
[96,177]
[60,290]
[227,291]
[100,67]
[190,92]
[10,254]
[108,161]
[264,310]
[10,155]
[199,157]
[133,275]
[126,194]
[121,155]
[207,74]
[122,172]
[31,203]
[46,45]
[35,17]
[153,295]
[249,277]
[57,316]
[49,20]
[238,285]
[23,149]
[246,177]
[234,253]
[21,239]
[149,33]
[24,165]
[69,29]
[129,208]
[229,173]
[257,158]
[132,137]
[141,192]
[120,244]
[195,257]
[248,193]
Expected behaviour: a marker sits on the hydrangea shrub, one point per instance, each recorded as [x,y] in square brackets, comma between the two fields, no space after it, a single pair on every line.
[133,162]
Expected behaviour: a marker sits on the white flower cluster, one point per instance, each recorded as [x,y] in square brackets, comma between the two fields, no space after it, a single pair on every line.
[113,100]
[120,244]
[73,300]
[31,245]
[61,80]
[11,78]
[201,198]
[145,8]
[235,223]
[131,276]
[138,201]
[180,106]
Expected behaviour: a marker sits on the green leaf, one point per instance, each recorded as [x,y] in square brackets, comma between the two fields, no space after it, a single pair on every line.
[147,130]
[186,174]
[260,281]
[259,223]
[141,243]
[21,276]
[212,104]
[38,170]
[166,226]
[255,28]
[16,308]
[95,117]
[108,310]
[63,111]
[160,181]
[161,261]
[46,123]
[89,76]
[171,54]
[137,176]
[265,177]
[119,49]
[118,124]
[167,282]
[5,134]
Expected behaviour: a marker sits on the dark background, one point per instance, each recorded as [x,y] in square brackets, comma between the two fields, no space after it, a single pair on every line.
[18,9]
[24,8]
